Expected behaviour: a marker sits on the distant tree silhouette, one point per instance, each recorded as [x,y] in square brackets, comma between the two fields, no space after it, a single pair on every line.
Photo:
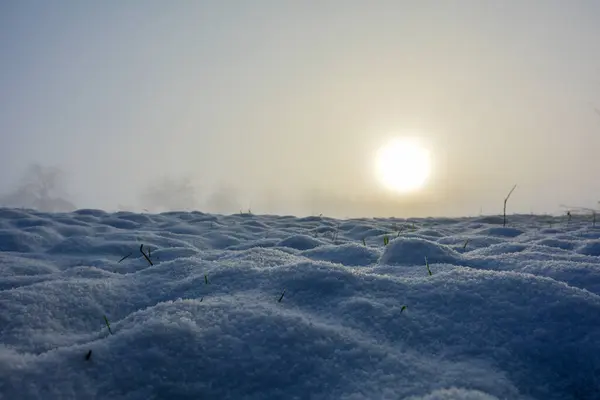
[170,194]
[223,200]
[42,188]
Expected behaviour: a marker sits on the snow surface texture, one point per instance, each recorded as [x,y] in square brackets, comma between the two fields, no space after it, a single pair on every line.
[506,313]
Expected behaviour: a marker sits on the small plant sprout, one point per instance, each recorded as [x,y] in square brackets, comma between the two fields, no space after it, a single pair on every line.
[402,309]
[386,240]
[505,201]
[107,324]
[364,242]
[427,265]
[122,259]
[281,298]
[579,211]
[335,234]
[466,243]
[145,255]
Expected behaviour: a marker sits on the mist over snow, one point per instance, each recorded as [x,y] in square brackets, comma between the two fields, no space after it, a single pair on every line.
[281,107]
[204,306]
[49,189]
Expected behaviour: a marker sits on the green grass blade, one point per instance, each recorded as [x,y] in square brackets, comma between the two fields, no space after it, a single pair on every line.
[107,324]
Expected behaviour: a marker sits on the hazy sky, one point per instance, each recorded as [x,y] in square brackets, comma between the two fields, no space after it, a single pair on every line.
[285,102]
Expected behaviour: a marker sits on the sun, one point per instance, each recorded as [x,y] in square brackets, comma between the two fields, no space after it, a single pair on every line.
[403,165]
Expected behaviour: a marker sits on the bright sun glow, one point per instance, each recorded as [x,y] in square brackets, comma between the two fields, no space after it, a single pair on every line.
[403,165]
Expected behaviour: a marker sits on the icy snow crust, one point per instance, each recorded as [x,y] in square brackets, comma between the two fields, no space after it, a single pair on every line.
[512,313]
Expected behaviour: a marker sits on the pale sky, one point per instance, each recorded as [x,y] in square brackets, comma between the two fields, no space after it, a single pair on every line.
[285,102]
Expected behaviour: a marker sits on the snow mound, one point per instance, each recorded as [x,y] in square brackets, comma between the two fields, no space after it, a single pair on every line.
[591,248]
[300,242]
[558,243]
[455,394]
[413,251]
[500,249]
[20,241]
[501,232]
[491,219]
[350,254]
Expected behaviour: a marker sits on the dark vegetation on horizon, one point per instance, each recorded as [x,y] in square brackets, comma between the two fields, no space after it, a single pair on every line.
[41,188]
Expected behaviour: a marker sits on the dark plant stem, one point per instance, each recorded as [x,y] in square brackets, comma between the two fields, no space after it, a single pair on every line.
[505,201]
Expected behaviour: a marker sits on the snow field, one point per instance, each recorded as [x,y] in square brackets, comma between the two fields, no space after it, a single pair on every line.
[507,313]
